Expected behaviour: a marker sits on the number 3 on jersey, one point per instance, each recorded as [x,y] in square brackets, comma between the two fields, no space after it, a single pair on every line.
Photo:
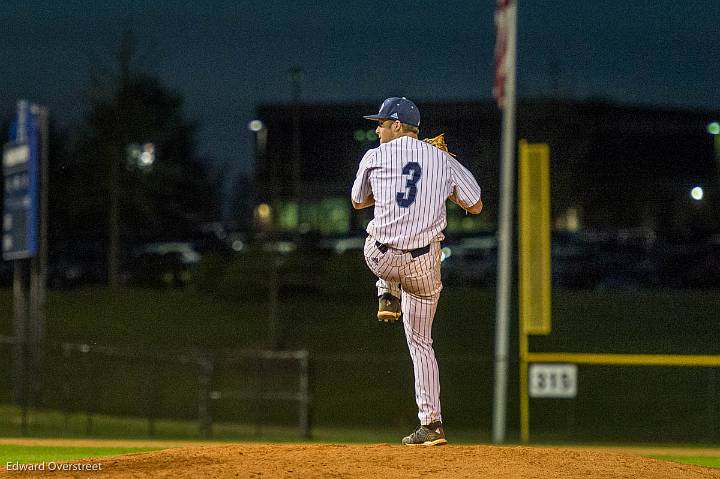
[407,197]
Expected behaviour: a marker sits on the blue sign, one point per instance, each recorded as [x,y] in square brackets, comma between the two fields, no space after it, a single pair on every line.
[21,175]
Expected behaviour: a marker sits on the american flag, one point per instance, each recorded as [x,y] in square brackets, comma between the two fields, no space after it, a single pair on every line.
[501,41]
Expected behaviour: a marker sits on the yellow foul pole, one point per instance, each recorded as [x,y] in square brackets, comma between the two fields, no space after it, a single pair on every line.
[534,276]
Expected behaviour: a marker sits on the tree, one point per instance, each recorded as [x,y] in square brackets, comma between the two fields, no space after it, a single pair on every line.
[119,202]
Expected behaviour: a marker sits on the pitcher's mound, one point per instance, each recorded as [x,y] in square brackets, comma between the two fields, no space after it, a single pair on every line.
[380,461]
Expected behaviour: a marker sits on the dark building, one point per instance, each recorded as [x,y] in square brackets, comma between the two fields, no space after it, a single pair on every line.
[612,166]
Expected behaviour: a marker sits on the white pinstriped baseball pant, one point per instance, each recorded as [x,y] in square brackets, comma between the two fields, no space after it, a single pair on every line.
[417,282]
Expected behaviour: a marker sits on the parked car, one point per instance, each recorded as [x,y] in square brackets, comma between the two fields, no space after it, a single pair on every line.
[343,244]
[693,265]
[6,274]
[77,263]
[626,268]
[162,264]
[470,262]
[571,262]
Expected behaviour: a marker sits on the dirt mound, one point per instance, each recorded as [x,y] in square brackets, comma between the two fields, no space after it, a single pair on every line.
[381,461]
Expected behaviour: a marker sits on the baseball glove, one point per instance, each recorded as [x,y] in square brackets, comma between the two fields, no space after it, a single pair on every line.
[438,142]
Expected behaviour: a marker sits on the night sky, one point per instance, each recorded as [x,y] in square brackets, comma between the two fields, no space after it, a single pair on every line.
[225,57]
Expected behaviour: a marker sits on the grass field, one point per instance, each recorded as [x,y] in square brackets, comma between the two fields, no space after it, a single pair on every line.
[698,461]
[361,376]
[34,454]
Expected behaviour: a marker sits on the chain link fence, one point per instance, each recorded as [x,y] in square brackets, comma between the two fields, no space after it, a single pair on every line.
[217,393]
[243,386]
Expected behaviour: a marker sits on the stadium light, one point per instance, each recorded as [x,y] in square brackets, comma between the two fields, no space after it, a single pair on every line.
[140,156]
[263,213]
[147,157]
[697,193]
[256,125]
[260,130]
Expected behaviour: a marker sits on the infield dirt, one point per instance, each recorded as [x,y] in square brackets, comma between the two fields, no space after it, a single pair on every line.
[378,461]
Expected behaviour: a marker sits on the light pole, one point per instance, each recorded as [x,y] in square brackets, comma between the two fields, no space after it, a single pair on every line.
[296,77]
[133,156]
[114,223]
[264,220]
[262,214]
[714,129]
[260,130]
[116,156]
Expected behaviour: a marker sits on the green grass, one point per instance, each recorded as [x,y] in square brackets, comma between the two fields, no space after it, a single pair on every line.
[55,424]
[698,461]
[361,372]
[34,454]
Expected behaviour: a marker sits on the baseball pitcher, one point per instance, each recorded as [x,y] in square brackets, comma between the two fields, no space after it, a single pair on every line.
[408,182]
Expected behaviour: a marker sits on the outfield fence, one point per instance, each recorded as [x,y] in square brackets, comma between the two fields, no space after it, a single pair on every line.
[92,379]
[84,383]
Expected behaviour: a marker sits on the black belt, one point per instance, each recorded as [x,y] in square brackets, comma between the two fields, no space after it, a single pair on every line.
[413,252]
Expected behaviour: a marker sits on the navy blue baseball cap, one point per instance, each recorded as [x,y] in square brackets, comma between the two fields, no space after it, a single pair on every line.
[398,108]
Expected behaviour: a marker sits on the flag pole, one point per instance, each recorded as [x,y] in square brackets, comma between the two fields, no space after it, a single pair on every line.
[505,223]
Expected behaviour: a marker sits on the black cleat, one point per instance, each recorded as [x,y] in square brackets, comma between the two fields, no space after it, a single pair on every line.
[430,435]
[388,308]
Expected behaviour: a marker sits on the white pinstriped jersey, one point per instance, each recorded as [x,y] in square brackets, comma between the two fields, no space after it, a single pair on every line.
[411,180]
